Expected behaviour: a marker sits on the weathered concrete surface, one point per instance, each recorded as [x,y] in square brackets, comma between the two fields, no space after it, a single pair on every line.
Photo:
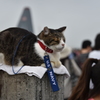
[24,87]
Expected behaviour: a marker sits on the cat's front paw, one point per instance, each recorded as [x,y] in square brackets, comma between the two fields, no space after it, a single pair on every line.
[20,63]
[43,65]
[56,64]
[52,64]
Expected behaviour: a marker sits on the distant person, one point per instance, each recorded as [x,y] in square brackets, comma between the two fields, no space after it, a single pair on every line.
[84,52]
[68,61]
[95,53]
[96,50]
[91,70]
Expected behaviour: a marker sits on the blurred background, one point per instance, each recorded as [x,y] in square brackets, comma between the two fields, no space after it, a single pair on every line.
[82,17]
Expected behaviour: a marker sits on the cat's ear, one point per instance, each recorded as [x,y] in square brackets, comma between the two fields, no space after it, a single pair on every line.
[61,29]
[46,30]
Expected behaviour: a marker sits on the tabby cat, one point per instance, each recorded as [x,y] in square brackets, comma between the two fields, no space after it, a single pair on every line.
[21,47]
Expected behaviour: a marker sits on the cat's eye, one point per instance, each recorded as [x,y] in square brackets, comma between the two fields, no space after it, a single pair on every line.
[54,40]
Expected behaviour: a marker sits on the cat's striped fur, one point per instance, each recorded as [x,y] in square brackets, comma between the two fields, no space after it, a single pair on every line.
[29,52]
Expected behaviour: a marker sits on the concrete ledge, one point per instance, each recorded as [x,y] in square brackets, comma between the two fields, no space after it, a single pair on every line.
[24,87]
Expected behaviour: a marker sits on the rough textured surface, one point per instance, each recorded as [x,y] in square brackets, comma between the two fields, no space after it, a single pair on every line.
[23,87]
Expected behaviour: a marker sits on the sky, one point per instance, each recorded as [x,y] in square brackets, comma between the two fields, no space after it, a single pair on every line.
[81,17]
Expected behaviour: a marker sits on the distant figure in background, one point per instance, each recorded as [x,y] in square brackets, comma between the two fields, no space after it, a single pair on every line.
[95,53]
[68,61]
[96,50]
[91,70]
[86,48]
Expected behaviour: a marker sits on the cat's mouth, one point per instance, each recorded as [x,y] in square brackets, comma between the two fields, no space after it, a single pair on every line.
[59,49]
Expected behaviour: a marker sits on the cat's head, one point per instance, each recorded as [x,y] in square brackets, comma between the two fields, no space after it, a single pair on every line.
[53,38]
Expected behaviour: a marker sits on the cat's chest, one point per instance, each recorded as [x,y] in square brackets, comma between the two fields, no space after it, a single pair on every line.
[38,50]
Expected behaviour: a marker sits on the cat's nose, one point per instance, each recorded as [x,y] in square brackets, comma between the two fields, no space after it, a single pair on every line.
[63,45]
